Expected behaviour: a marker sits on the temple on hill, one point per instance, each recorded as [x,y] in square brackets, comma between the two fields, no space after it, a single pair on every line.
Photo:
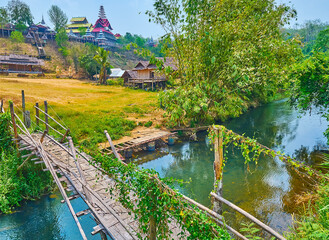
[102,30]
[78,24]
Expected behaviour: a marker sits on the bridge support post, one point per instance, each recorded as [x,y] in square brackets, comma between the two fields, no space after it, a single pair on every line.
[12,112]
[46,116]
[218,168]
[37,114]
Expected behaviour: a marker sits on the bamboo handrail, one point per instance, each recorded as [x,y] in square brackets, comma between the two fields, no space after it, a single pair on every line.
[249,216]
[49,126]
[51,117]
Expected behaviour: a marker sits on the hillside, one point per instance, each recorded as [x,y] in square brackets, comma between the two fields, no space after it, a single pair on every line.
[120,58]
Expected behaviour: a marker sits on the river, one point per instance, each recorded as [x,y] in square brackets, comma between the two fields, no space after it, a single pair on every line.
[267,190]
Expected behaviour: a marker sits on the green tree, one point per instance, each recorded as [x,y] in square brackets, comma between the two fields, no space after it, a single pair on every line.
[57,17]
[229,54]
[61,39]
[322,41]
[19,12]
[82,31]
[310,84]
[17,37]
[4,18]
[102,58]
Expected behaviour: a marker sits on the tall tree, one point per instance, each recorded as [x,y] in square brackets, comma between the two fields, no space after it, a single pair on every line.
[19,12]
[229,54]
[4,18]
[57,17]
[102,58]
[310,85]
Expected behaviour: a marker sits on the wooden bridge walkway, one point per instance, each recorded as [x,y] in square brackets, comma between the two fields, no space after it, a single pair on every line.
[88,182]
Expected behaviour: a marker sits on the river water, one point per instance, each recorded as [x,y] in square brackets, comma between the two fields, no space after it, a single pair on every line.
[267,190]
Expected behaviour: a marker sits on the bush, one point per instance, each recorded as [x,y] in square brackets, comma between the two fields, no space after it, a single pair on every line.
[115,82]
[148,124]
[28,182]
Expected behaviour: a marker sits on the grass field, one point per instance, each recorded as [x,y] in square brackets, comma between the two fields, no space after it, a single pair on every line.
[85,107]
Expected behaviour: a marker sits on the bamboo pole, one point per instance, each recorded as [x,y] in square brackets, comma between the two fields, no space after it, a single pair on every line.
[46,115]
[37,114]
[11,106]
[218,168]
[88,197]
[112,145]
[65,135]
[249,216]
[50,127]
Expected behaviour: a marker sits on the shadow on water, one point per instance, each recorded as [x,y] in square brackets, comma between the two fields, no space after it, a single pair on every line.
[267,190]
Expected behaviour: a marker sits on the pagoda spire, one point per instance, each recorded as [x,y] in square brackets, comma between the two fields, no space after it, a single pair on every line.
[101,13]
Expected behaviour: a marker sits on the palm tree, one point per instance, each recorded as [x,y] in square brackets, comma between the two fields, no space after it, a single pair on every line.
[102,58]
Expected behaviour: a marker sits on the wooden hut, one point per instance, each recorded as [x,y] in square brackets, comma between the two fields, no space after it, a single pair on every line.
[20,64]
[128,74]
[145,74]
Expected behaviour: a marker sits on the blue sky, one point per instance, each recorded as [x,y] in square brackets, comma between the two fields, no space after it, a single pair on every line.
[128,15]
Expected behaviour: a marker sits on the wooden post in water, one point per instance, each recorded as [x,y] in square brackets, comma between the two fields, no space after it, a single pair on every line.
[37,113]
[218,167]
[46,116]
[11,106]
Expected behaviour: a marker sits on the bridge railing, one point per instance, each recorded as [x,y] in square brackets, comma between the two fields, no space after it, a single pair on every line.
[43,120]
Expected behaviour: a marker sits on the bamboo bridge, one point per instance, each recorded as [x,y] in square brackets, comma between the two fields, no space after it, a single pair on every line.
[78,176]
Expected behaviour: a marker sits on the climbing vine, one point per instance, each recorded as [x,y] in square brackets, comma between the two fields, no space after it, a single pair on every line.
[251,150]
[150,199]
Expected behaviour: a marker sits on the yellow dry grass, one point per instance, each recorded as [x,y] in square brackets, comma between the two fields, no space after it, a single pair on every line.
[87,108]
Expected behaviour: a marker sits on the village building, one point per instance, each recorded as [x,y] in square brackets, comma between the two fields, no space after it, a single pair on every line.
[78,25]
[102,31]
[144,75]
[20,64]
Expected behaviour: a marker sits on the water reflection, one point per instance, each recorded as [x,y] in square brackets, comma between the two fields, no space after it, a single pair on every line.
[269,189]
[45,219]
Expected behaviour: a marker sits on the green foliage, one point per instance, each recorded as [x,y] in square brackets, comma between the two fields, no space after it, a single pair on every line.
[307,33]
[57,17]
[28,182]
[61,39]
[115,82]
[250,231]
[314,224]
[82,31]
[147,43]
[4,16]
[102,58]
[19,12]
[322,41]
[17,37]
[148,124]
[310,84]
[251,150]
[158,202]
[228,54]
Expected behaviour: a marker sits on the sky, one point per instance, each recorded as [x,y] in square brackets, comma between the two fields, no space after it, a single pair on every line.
[129,15]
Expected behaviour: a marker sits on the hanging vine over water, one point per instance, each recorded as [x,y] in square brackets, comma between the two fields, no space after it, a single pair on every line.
[251,150]
[158,202]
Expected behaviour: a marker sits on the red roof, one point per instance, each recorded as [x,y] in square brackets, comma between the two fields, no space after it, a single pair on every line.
[103,22]
[96,30]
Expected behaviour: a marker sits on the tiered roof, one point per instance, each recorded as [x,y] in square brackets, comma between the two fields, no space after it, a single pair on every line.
[76,23]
